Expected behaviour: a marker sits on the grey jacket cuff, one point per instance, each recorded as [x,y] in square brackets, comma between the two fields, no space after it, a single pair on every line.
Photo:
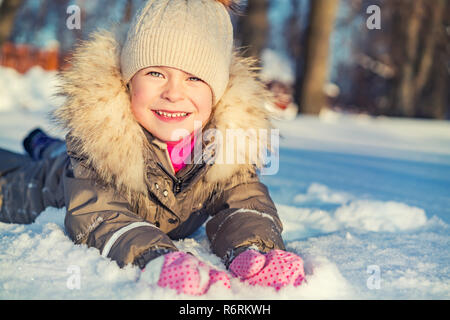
[229,257]
[149,255]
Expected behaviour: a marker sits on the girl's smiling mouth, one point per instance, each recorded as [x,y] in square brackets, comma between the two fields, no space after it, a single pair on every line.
[171,116]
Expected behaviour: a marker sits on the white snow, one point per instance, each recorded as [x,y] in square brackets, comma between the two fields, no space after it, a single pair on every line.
[365,201]
[380,216]
[32,92]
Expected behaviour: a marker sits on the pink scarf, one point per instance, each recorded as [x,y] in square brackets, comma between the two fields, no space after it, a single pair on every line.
[180,150]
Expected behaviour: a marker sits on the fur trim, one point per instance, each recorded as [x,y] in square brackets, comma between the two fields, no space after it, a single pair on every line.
[242,109]
[98,116]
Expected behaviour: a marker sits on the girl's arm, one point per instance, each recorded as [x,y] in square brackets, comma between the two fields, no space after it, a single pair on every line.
[98,217]
[244,217]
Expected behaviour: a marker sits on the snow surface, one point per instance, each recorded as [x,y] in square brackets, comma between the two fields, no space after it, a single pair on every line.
[365,201]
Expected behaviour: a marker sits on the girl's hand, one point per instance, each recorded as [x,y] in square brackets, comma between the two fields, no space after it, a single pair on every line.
[276,269]
[184,273]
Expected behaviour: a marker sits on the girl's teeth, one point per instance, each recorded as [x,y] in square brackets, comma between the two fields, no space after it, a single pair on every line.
[171,115]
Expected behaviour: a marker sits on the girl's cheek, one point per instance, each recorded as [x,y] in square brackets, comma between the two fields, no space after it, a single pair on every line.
[205,111]
[137,102]
[139,97]
[136,94]
[203,118]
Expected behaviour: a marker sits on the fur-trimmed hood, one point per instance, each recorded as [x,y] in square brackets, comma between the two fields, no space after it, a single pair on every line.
[98,116]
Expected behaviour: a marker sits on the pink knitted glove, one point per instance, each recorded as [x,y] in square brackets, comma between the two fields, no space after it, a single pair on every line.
[184,273]
[276,269]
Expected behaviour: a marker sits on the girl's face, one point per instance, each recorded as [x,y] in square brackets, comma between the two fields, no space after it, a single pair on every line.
[165,100]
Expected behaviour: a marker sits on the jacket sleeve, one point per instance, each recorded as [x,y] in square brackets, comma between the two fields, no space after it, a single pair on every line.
[244,216]
[99,217]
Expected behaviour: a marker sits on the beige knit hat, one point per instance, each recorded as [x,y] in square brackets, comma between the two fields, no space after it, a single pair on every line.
[195,36]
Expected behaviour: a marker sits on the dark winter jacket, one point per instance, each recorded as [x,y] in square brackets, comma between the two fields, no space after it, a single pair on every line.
[117,182]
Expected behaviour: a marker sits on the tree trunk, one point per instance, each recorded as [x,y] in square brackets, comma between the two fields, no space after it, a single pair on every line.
[8,10]
[309,91]
[128,14]
[406,94]
[253,28]
[426,59]
[420,32]
[437,57]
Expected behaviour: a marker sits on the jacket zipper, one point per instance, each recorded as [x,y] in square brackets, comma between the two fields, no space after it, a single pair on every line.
[177,182]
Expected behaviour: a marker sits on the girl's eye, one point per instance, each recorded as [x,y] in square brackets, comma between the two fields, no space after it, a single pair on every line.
[155,74]
[194,79]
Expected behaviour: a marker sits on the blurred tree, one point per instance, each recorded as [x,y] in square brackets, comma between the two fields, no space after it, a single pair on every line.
[403,68]
[416,39]
[439,98]
[293,33]
[365,78]
[128,13]
[253,27]
[8,10]
[312,74]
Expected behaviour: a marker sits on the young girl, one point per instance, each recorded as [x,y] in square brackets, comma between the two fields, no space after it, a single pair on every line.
[131,106]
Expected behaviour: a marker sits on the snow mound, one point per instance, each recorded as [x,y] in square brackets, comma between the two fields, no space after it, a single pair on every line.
[39,261]
[32,91]
[319,192]
[353,213]
[380,216]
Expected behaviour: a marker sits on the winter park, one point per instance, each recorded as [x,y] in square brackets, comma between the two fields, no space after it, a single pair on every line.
[350,96]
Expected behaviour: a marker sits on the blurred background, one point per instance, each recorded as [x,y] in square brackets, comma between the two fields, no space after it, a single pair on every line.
[375,57]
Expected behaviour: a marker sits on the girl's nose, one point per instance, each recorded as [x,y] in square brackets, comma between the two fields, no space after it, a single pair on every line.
[173,91]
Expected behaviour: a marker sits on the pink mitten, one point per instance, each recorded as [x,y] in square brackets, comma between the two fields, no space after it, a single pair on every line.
[184,273]
[276,269]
